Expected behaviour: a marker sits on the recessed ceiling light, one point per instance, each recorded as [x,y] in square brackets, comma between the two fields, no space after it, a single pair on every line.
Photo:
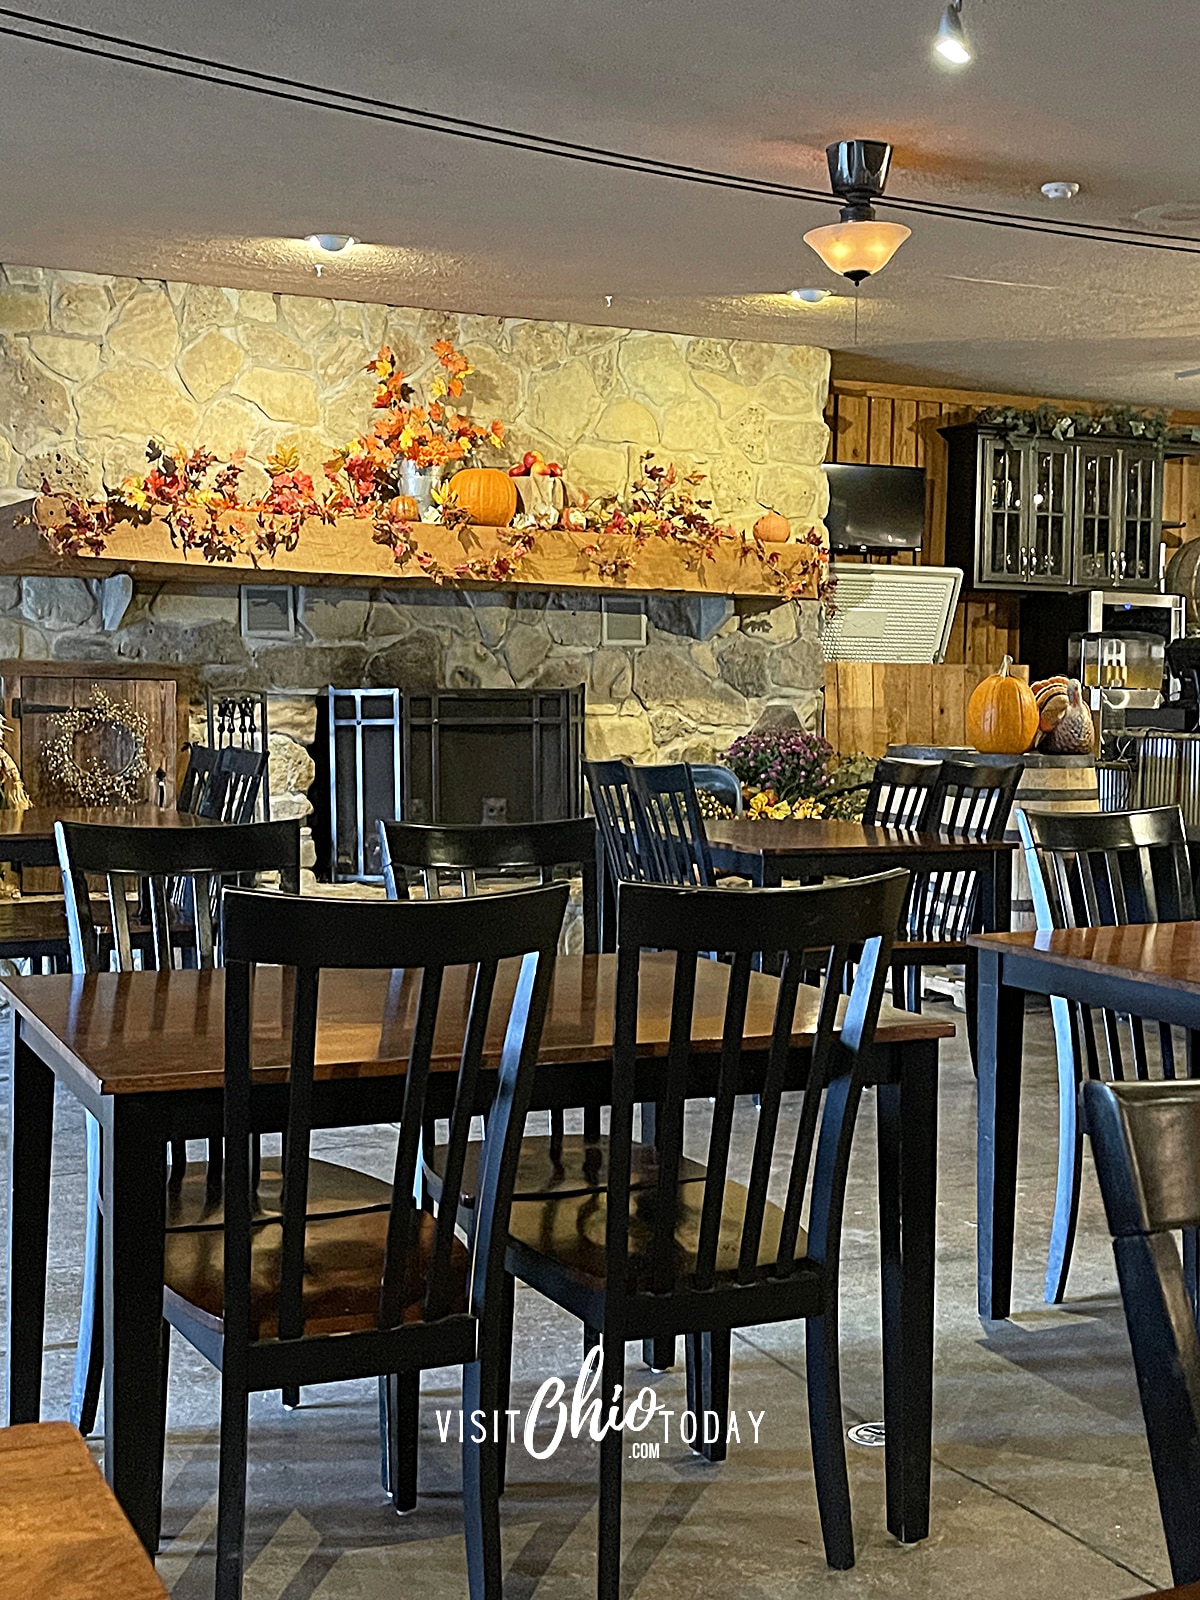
[332,243]
[810,297]
[951,41]
[1060,190]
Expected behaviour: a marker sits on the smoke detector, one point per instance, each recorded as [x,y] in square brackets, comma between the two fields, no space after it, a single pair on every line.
[1060,190]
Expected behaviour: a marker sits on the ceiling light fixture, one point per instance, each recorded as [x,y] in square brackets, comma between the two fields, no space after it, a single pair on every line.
[1060,190]
[951,41]
[332,243]
[810,297]
[858,245]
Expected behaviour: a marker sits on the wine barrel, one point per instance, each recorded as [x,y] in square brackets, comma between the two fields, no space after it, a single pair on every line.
[1049,783]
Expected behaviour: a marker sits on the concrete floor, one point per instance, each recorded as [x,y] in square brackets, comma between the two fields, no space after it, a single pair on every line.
[1041,1482]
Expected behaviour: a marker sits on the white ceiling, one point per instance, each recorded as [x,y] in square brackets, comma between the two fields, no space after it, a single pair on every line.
[112,168]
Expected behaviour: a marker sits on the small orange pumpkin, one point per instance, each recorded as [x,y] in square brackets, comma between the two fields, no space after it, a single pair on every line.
[773,528]
[1002,714]
[404,507]
[487,493]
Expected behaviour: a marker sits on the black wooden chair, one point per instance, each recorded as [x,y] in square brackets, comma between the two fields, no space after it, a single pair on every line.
[298,1298]
[239,782]
[706,1257]
[1146,1145]
[676,843]
[901,793]
[620,819]
[718,781]
[1090,870]
[969,801]
[141,869]
[197,792]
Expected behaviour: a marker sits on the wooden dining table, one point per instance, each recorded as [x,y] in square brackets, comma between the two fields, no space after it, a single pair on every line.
[143,1052]
[768,852]
[27,837]
[1150,971]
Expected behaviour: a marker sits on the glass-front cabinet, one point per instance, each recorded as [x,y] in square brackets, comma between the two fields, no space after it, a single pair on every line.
[1001,499]
[1140,493]
[1029,510]
[1098,533]
[1048,544]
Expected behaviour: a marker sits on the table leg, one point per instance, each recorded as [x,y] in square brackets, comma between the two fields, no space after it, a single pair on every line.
[134,1177]
[907,1138]
[1000,1028]
[31,1134]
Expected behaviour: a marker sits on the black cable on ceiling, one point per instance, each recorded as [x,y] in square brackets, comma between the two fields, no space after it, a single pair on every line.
[201,69]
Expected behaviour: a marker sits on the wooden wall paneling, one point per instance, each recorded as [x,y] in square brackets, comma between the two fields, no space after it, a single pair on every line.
[879,431]
[904,433]
[853,428]
[949,708]
[920,705]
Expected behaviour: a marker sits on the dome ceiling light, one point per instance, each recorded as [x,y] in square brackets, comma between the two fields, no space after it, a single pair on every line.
[951,39]
[332,243]
[859,245]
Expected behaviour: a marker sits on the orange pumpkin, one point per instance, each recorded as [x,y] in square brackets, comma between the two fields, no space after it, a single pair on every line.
[773,528]
[404,507]
[487,493]
[1002,714]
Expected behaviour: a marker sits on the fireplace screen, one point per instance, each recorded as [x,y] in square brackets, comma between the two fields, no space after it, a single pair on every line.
[454,755]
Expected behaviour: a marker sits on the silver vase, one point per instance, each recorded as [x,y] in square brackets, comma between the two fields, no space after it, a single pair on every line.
[419,483]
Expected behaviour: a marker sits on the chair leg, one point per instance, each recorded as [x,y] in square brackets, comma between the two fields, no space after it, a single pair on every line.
[399,1428]
[231,1494]
[482,1383]
[89,1349]
[157,1423]
[708,1390]
[659,1354]
[971,1001]
[828,1439]
[1070,1165]
[612,1453]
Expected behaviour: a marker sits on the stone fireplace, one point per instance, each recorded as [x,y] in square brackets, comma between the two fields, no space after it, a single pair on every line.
[91,366]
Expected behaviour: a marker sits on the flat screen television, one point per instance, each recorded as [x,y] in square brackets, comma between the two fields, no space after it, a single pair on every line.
[875,508]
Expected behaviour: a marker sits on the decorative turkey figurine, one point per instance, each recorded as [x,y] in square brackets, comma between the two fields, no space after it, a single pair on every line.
[1065,721]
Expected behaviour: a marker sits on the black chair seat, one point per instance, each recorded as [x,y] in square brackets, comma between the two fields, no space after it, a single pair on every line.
[343,1268]
[197,1202]
[567,1237]
[556,1168]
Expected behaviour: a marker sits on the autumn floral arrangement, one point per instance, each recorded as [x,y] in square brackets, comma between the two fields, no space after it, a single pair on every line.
[789,772]
[194,493]
[661,504]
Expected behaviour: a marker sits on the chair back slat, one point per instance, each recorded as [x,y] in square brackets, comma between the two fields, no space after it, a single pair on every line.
[671,812]
[900,794]
[538,849]
[968,801]
[309,938]
[820,927]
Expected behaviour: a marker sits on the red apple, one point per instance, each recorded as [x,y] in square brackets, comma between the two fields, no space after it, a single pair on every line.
[529,458]
[519,471]
[554,469]
[539,469]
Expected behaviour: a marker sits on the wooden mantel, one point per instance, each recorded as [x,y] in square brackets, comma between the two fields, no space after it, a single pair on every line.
[343,553]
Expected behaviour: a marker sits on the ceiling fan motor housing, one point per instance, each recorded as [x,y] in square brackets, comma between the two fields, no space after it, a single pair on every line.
[858,172]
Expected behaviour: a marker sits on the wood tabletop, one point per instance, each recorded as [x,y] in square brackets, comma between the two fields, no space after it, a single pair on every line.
[62,1535]
[1158,954]
[38,822]
[830,835]
[143,1032]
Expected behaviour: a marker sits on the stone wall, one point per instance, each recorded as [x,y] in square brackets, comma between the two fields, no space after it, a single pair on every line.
[90,367]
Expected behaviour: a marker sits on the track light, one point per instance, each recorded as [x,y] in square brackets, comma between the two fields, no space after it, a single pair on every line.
[951,42]
[858,245]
